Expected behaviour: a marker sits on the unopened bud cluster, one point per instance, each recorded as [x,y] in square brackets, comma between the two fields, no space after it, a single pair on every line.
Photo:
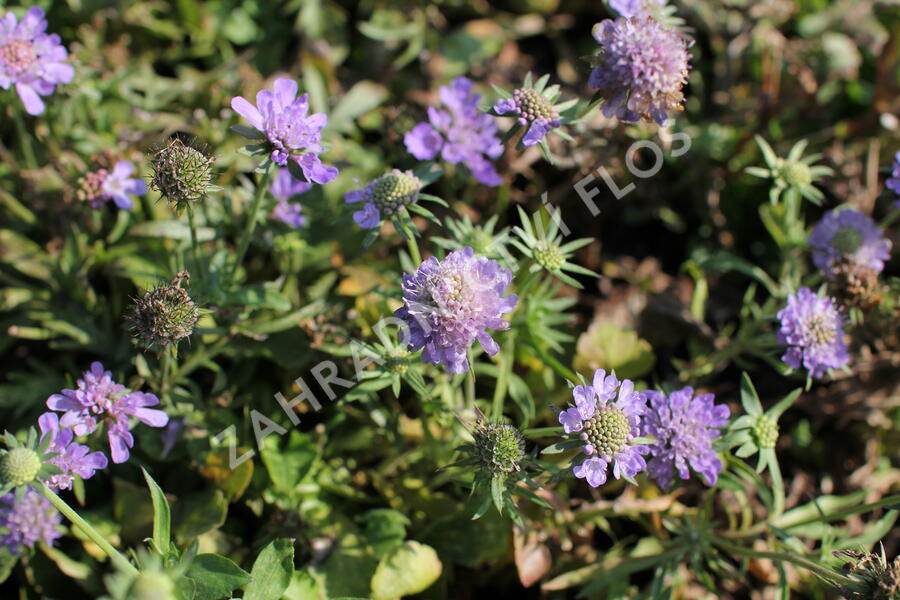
[532,105]
[395,190]
[765,431]
[499,447]
[19,466]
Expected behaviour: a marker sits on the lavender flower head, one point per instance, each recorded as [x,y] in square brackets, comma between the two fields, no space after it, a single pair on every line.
[97,187]
[32,60]
[848,235]
[607,425]
[684,426]
[461,134]
[283,188]
[812,328]
[639,9]
[640,70]
[100,399]
[71,458]
[384,196]
[893,182]
[29,520]
[450,303]
[292,134]
[532,110]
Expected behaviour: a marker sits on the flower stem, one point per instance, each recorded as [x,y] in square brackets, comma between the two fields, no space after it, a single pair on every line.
[24,137]
[251,222]
[195,245]
[506,364]
[165,368]
[115,556]
[470,381]
[889,220]
[823,572]
[414,250]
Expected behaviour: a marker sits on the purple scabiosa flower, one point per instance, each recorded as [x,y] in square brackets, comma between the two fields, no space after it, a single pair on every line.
[640,70]
[450,303]
[684,426]
[461,134]
[27,521]
[285,187]
[99,398]
[812,328]
[117,185]
[32,60]
[71,458]
[531,110]
[893,182]
[607,426]
[639,9]
[292,133]
[384,196]
[849,235]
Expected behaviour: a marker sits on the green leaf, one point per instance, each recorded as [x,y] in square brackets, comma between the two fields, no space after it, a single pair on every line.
[162,517]
[408,570]
[199,513]
[215,577]
[360,99]
[498,486]
[256,296]
[272,571]
[171,229]
[288,466]
[749,397]
[248,132]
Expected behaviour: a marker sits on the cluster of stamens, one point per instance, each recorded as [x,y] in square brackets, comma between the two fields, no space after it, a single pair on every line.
[395,190]
[18,56]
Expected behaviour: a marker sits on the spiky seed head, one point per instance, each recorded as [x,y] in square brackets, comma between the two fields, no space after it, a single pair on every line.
[548,255]
[532,105]
[874,578]
[165,314]
[794,173]
[607,431]
[395,190]
[855,284]
[19,466]
[765,431]
[499,447]
[182,173]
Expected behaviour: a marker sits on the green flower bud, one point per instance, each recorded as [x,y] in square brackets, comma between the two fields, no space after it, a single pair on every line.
[19,466]
[765,432]
[394,191]
[499,447]
[533,105]
[795,173]
[152,586]
[548,255]
[846,240]
[397,361]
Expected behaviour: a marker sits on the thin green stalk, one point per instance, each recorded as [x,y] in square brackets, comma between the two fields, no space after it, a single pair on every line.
[805,563]
[777,488]
[889,220]
[414,250]
[506,364]
[24,137]
[165,368]
[470,381]
[195,244]
[114,555]
[198,358]
[252,217]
